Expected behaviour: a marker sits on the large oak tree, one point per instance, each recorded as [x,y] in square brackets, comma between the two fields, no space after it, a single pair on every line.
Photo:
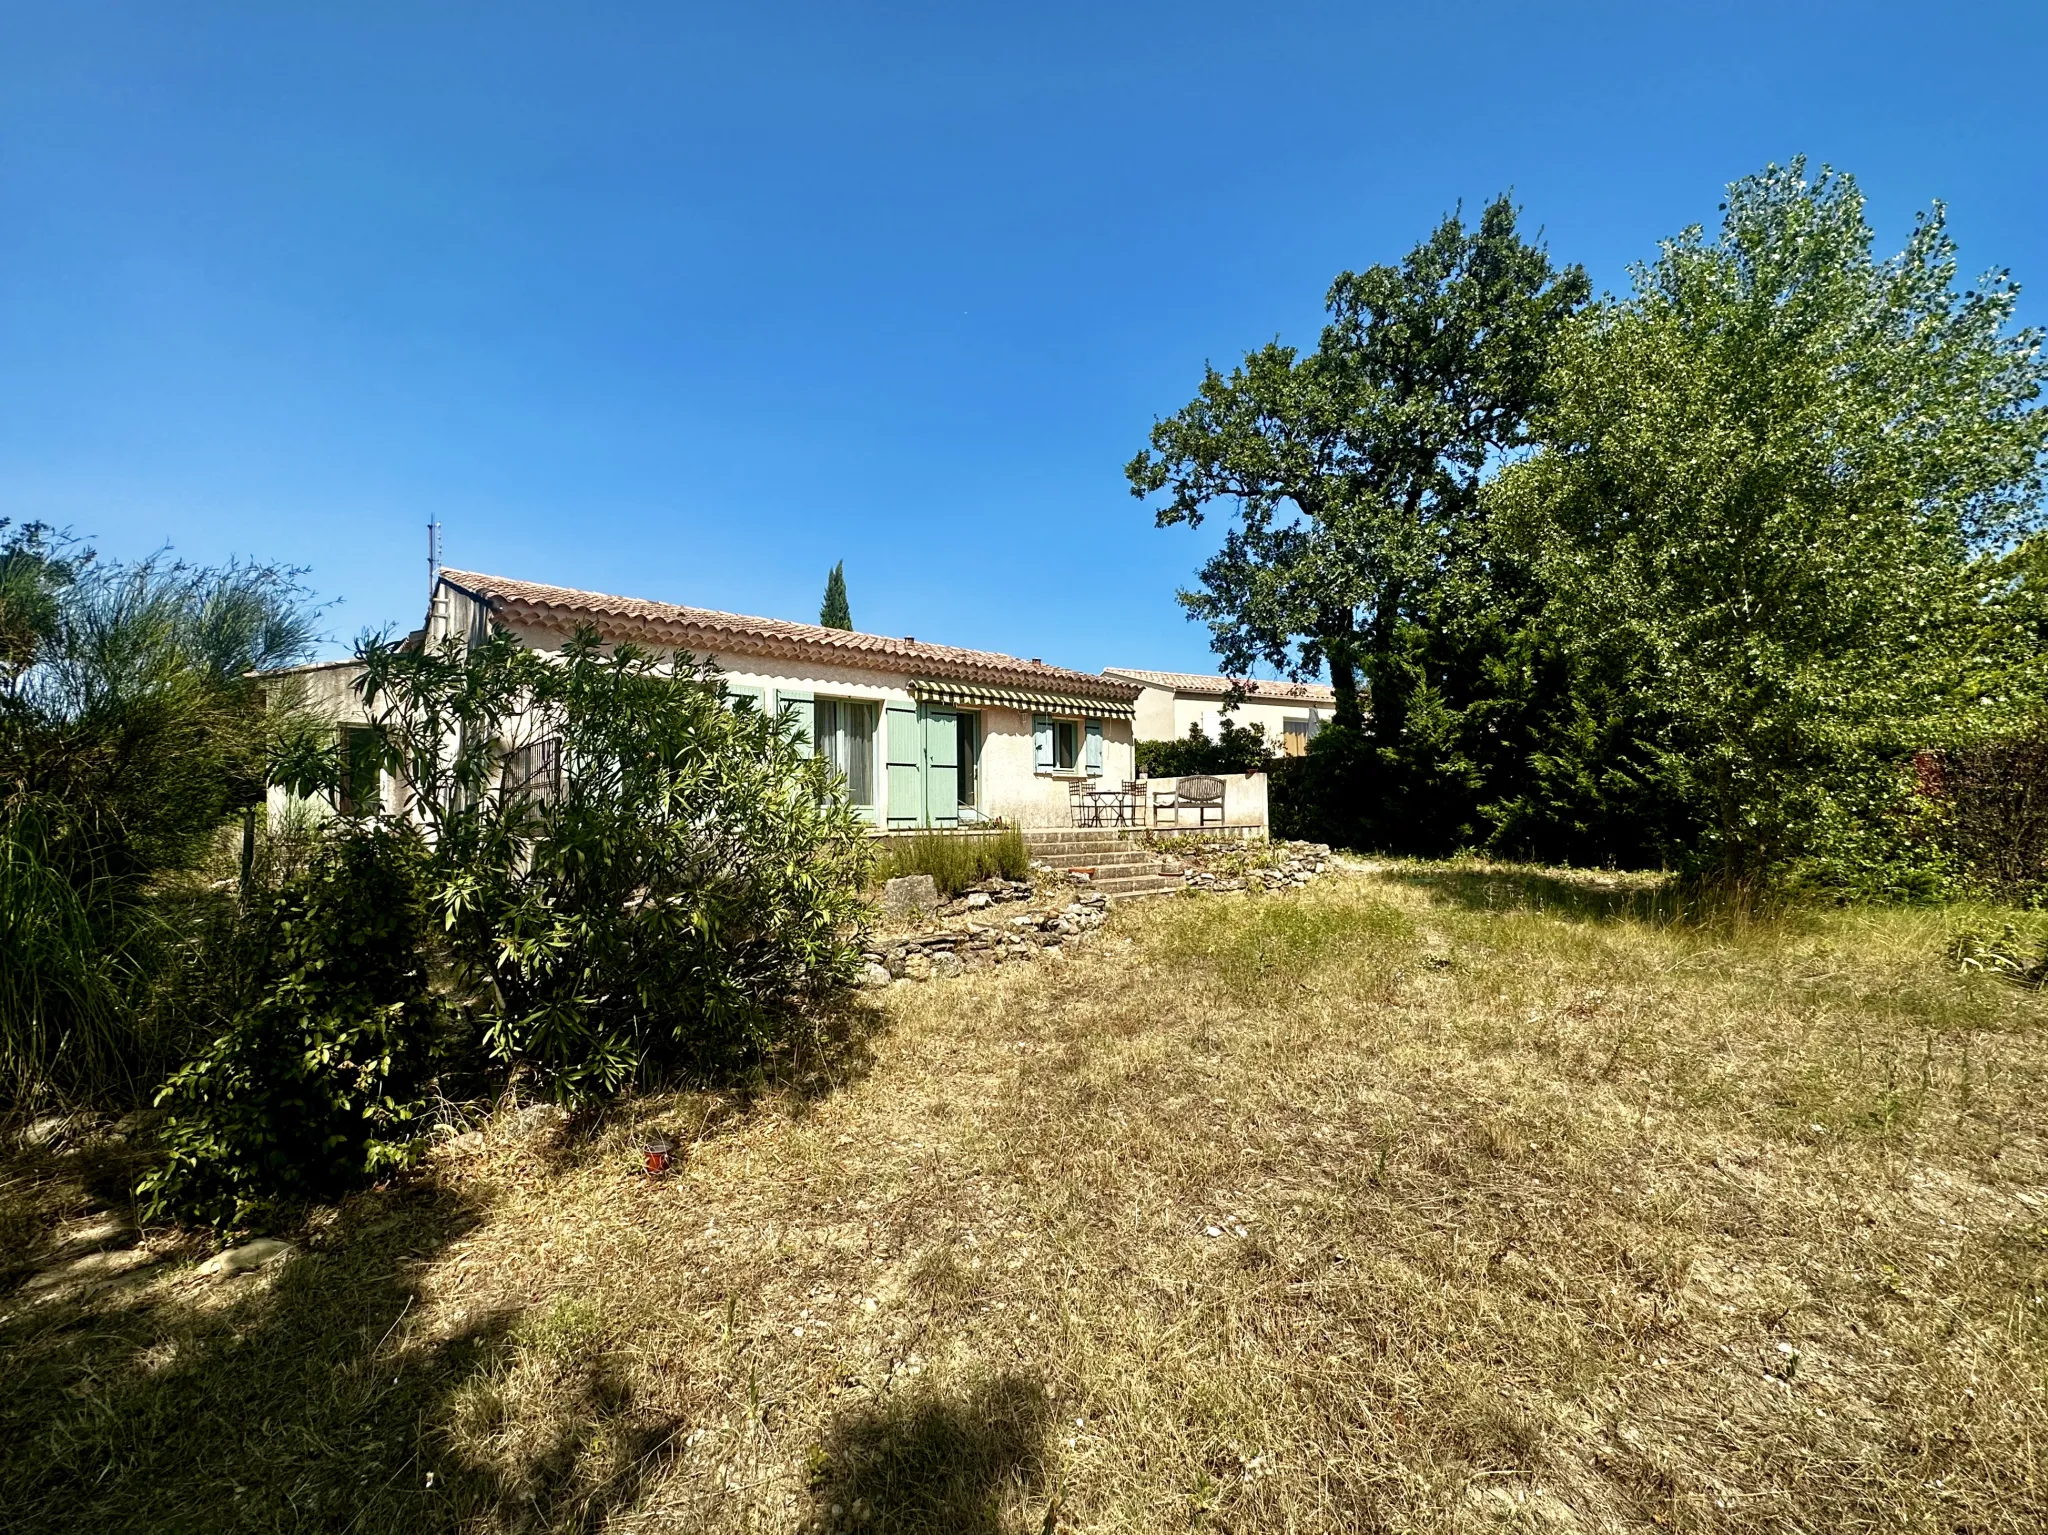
[1352,472]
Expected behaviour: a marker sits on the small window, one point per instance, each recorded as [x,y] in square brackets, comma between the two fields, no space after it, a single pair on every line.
[1066,745]
[362,770]
[1296,734]
[535,771]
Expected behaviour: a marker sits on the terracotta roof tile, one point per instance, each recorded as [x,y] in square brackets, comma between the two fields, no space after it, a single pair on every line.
[1216,687]
[705,631]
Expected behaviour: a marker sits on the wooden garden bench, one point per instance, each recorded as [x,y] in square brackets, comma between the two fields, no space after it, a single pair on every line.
[1200,793]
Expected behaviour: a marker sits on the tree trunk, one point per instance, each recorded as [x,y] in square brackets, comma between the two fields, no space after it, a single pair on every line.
[1389,696]
[1341,652]
[248,847]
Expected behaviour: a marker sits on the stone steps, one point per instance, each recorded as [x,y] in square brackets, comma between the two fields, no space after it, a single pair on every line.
[1121,866]
[1110,859]
[1131,886]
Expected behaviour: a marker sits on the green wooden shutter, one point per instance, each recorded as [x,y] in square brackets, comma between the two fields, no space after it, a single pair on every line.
[739,694]
[802,708]
[905,760]
[1095,748]
[941,768]
[1041,743]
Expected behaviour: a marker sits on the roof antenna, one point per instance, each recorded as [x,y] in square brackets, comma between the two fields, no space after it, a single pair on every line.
[433,559]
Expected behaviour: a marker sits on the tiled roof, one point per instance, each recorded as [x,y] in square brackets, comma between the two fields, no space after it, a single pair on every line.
[705,632]
[1216,687]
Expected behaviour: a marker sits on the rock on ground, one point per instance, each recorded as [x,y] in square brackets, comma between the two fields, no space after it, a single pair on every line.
[909,894]
[250,1255]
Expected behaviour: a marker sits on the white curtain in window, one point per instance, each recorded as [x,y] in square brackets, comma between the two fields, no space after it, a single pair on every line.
[846,739]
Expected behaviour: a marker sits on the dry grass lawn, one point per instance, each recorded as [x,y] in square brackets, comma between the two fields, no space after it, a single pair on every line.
[1430,1198]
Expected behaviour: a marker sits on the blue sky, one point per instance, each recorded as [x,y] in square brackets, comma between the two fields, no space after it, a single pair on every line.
[690,302]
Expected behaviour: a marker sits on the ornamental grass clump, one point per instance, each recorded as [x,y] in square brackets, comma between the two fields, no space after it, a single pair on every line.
[131,734]
[956,860]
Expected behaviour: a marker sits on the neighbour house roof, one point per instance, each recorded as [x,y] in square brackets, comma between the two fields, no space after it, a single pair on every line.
[934,671]
[1217,687]
[304,667]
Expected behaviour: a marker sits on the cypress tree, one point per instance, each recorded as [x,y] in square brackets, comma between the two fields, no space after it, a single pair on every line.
[835,614]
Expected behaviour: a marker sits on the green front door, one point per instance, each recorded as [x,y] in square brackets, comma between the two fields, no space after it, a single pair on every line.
[941,767]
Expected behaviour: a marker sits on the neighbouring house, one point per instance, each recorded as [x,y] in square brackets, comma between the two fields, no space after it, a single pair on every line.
[328,690]
[1170,702]
[926,735]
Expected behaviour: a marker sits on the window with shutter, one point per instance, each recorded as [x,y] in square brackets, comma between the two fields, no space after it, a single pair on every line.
[801,708]
[1041,743]
[1066,745]
[1094,748]
[941,767]
[533,772]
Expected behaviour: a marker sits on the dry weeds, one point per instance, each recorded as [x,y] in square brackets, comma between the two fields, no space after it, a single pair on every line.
[1434,1198]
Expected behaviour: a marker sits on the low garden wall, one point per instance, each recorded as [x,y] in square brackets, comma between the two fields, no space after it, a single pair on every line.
[1244,805]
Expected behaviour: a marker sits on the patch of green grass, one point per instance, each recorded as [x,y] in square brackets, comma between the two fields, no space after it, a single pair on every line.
[1270,941]
[956,861]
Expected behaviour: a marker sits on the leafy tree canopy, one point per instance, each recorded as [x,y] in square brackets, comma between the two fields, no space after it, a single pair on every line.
[1354,469]
[1774,482]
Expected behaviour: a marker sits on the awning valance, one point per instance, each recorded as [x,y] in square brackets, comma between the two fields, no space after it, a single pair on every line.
[979,696]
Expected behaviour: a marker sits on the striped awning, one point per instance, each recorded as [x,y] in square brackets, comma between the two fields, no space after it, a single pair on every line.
[979,696]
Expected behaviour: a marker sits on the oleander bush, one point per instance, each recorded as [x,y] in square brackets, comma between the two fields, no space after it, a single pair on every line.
[324,1033]
[630,878]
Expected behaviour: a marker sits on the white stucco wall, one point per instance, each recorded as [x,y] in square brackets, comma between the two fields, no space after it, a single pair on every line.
[1014,789]
[1244,803]
[1155,715]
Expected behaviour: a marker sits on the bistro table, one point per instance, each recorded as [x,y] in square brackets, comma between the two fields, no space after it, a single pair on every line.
[1105,807]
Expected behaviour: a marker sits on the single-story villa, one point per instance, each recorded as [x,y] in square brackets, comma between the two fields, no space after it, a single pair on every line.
[1170,702]
[927,735]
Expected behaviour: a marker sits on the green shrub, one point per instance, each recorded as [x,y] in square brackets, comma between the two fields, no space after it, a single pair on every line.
[1991,801]
[955,860]
[1240,749]
[313,1081]
[634,878]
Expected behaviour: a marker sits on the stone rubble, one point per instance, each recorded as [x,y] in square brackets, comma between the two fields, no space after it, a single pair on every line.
[249,1256]
[976,935]
[978,945]
[1267,866]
